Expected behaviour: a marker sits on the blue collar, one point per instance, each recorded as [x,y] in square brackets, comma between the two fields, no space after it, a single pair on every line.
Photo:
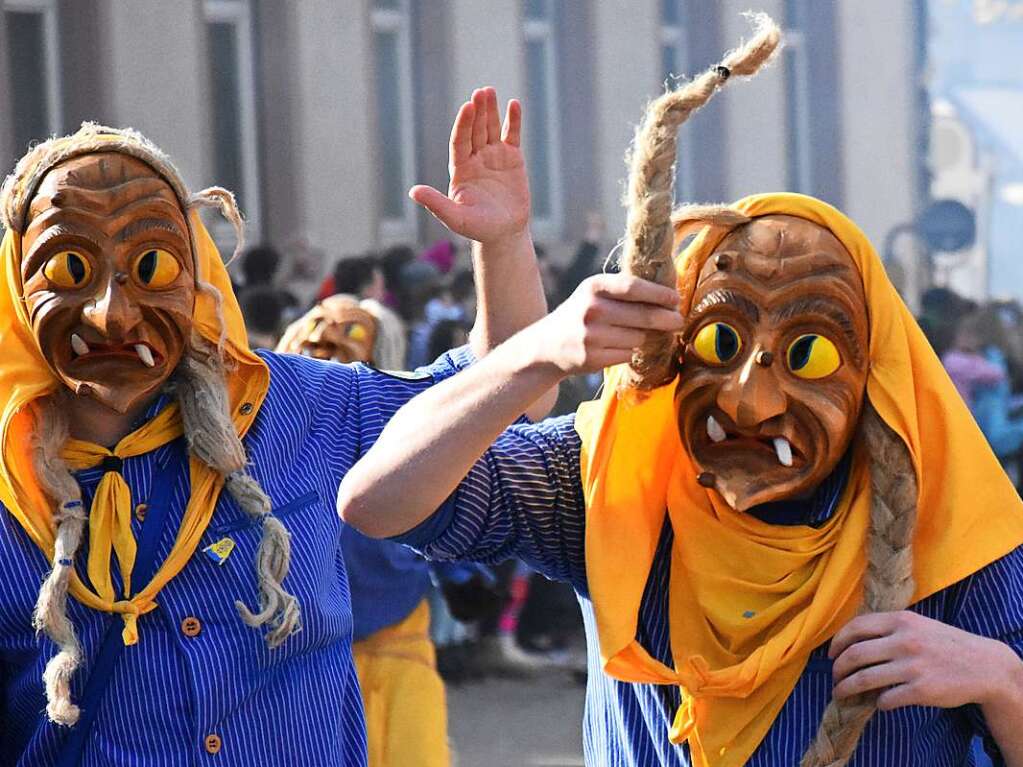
[813,511]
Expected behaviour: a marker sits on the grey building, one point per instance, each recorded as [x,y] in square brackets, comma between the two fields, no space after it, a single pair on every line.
[322,113]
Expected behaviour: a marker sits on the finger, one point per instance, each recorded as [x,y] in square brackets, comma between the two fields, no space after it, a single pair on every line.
[873,678]
[869,652]
[859,628]
[493,117]
[439,204]
[461,133]
[636,316]
[899,696]
[512,132]
[605,358]
[619,338]
[479,125]
[625,287]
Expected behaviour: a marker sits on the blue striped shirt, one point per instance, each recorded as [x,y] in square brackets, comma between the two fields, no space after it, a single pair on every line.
[524,498]
[298,704]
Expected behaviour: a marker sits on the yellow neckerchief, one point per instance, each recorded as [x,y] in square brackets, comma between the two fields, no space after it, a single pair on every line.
[25,377]
[749,601]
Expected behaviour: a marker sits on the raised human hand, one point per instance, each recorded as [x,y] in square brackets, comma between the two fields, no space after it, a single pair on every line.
[603,322]
[918,661]
[488,196]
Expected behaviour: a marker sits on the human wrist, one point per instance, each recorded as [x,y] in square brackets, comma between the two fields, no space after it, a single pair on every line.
[1004,688]
[514,241]
[530,352]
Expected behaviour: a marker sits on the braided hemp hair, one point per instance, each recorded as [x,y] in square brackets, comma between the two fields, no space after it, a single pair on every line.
[650,193]
[199,384]
[888,582]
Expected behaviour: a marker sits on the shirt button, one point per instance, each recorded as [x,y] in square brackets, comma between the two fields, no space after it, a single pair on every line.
[213,743]
[246,408]
[140,512]
[191,627]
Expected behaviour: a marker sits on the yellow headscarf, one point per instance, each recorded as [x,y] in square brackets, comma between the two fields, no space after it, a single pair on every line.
[749,601]
[25,377]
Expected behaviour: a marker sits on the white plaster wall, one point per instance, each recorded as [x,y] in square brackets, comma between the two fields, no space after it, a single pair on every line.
[158,78]
[878,112]
[486,49]
[755,113]
[335,142]
[627,62]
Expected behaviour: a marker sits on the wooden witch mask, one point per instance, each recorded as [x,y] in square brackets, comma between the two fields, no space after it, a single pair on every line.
[773,361]
[108,277]
[337,329]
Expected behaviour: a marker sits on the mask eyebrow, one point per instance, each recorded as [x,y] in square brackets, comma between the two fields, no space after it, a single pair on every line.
[135,228]
[825,307]
[725,297]
[32,256]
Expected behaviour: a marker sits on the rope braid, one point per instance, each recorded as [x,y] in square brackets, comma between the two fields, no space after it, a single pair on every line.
[650,194]
[211,438]
[888,583]
[50,616]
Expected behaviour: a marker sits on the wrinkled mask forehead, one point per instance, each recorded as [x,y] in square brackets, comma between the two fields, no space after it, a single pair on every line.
[108,277]
[774,361]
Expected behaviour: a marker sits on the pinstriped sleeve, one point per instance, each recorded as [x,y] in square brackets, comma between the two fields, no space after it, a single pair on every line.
[990,604]
[522,499]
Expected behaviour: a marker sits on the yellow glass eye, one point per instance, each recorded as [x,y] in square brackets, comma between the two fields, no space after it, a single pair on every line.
[812,356]
[156,269]
[356,332]
[68,269]
[717,343]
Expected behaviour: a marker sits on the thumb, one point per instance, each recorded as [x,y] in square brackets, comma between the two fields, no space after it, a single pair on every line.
[439,204]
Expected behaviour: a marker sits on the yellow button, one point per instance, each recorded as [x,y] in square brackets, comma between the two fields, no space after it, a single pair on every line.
[191,627]
[140,512]
[213,743]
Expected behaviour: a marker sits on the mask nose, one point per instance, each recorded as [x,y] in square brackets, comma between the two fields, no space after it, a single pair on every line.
[112,312]
[752,395]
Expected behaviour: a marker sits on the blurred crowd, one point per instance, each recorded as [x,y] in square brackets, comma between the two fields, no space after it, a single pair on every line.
[981,347]
[506,620]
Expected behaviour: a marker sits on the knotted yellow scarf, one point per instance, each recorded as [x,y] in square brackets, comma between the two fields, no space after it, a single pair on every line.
[25,377]
[749,601]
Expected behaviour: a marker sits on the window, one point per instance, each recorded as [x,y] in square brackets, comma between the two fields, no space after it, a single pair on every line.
[392,54]
[33,68]
[543,141]
[797,98]
[674,66]
[232,89]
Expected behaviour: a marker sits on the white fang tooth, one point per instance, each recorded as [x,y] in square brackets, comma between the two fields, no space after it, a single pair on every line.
[784,451]
[79,346]
[145,355]
[714,430]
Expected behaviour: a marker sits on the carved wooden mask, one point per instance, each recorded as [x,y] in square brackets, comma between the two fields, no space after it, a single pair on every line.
[774,361]
[339,330]
[108,277]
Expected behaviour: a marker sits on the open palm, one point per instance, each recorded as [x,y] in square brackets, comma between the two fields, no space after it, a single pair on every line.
[488,197]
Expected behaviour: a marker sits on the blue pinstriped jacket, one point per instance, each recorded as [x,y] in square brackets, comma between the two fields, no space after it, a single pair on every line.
[524,498]
[297,705]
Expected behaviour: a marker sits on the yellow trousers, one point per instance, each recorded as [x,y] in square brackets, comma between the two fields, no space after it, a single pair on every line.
[406,713]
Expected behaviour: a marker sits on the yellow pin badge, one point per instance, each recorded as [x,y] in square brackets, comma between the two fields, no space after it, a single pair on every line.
[220,551]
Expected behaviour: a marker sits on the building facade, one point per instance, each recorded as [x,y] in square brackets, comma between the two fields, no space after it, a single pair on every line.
[321,114]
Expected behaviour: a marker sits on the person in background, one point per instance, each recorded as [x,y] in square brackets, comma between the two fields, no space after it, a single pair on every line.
[359,276]
[392,261]
[978,364]
[940,311]
[263,309]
